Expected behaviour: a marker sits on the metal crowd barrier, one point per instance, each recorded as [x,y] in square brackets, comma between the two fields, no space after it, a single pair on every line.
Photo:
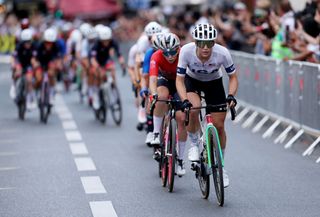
[289,91]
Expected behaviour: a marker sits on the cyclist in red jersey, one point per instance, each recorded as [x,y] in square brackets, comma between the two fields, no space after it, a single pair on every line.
[163,68]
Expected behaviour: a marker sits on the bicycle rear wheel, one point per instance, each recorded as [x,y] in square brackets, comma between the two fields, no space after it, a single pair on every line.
[172,154]
[21,98]
[115,104]
[44,105]
[216,163]
[102,111]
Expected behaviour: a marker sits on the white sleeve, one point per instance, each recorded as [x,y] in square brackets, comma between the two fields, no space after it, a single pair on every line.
[228,62]
[183,61]
[84,48]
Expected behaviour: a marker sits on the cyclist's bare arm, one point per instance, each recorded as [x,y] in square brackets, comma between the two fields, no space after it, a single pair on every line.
[233,84]
[181,88]
[153,84]
[145,81]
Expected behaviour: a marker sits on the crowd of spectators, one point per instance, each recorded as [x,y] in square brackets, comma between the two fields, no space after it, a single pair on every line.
[272,30]
[268,29]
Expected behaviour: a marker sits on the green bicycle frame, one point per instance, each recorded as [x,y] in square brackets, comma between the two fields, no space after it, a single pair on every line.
[210,126]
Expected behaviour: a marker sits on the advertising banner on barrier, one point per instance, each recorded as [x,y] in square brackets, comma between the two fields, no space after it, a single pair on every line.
[289,89]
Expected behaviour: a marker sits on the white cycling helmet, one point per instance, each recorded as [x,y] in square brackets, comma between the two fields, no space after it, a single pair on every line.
[84,28]
[26,35]
[98,27]
[50,35]
[152,28]
[156,40]
[169,42]
[76,35]
[66,27]
[92,34]
[204,32]
[105,33]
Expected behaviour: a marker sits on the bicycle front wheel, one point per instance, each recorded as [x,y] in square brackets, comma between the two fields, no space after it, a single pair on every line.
[203,178]
[215,160]
[172,154]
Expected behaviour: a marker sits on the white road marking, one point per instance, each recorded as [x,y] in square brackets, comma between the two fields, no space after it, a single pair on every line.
[78,148]
[8,153]
[73,136]
[65,116]
[69,125]
[61,109]
[84,164]
[8,168]
[93,185]
[102,209]
[8,188]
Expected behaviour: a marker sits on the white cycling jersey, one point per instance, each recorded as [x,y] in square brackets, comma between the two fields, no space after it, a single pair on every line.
[143,44]
[132,56]
[190,64]
[86,47]
[73,46]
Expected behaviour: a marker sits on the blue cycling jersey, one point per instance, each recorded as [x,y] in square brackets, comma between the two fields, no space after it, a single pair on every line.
[146,61]
[62,46]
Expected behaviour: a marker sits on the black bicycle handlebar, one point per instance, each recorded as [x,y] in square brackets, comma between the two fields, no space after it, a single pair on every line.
[168,101]
[187,111]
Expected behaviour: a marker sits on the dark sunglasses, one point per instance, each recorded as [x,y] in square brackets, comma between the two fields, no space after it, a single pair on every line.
[170,53]
[202,44]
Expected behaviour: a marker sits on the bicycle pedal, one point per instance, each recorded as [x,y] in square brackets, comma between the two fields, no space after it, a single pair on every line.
[194,166]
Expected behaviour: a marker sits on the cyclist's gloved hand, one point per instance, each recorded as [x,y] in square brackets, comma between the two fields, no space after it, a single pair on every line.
[154,97]
[144,92]
[232,102]
[186,104]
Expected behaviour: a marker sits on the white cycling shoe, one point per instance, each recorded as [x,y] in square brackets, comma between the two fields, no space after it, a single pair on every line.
[226,181]
[193,154]
[180,168]
[149,138]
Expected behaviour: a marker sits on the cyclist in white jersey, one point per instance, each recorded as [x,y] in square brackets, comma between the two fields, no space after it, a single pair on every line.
[199,71]
[143,44]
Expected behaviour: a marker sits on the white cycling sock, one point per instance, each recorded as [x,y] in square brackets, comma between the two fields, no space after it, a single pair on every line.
[194,138]
[157,121]
[182,146]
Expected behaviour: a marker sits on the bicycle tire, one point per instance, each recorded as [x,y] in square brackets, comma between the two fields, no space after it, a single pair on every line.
[22,109]
[164,159]
[173,153]
[162,139]
[21,99]
[216,163]
[203,178]
[116,107]
[103,108]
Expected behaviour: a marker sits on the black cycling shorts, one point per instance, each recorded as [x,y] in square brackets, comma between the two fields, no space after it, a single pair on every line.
[214,93]
[171,85]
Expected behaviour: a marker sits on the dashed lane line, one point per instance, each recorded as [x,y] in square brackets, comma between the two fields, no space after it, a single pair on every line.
[78,148]
[69,125]
[102,209]
[8,168]
[73,136]
[93,185]
[84,164]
